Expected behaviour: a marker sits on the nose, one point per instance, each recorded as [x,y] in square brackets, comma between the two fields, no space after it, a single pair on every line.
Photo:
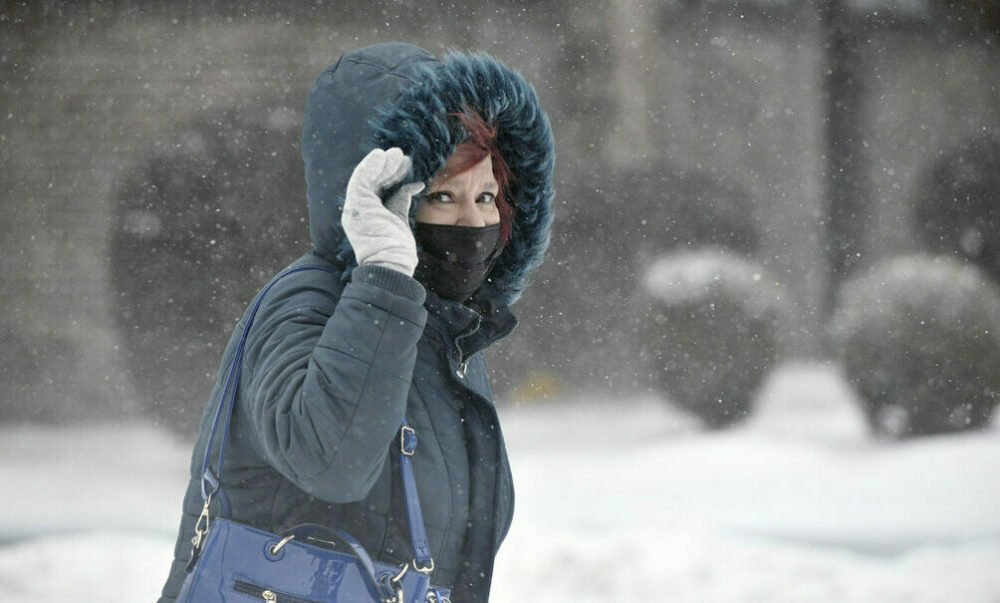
[469,214]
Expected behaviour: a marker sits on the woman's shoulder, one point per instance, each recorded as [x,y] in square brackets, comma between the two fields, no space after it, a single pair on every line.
[309,282]
[312,287]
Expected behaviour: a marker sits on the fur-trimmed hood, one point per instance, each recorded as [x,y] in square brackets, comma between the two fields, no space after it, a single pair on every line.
[400,95]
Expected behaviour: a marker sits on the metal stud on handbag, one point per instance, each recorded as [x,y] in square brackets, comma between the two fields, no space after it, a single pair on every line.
[234,562]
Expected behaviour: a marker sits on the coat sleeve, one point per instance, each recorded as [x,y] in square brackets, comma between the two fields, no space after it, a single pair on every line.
[326,392]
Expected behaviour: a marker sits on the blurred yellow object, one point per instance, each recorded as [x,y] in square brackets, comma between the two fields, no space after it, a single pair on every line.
[537,385]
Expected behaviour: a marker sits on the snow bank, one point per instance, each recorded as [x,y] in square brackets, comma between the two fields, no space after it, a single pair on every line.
[618,499]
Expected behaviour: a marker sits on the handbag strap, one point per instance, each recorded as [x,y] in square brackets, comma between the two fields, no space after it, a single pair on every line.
[422,560]
[211,481]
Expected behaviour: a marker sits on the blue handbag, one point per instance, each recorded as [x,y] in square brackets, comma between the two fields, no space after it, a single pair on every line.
[308,563]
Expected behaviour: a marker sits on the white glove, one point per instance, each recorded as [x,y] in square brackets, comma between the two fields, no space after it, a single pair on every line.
[380,234]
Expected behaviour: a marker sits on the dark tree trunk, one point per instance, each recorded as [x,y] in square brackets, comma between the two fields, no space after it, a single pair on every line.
[848,194]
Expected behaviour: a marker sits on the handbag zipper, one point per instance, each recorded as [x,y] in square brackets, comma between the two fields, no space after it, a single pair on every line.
[266,594]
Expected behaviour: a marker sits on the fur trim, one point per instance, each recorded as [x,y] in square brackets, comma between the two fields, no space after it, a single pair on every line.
[419,122]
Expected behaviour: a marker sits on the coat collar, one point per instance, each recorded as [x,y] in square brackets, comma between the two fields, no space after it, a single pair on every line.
[469,328]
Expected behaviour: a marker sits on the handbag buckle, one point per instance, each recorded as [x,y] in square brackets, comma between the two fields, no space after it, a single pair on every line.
[424,570]
[394,584]
[433,596]
[407,440]
[201,526]
[200,530]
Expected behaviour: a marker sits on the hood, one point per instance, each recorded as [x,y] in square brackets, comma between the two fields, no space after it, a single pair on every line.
[400,95]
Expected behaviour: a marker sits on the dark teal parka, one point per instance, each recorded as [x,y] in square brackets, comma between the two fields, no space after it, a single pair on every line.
[336,358]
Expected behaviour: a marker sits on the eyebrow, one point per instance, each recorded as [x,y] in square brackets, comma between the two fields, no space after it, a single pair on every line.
[492,186]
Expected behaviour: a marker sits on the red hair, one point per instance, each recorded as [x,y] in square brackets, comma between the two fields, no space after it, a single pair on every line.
[481,142]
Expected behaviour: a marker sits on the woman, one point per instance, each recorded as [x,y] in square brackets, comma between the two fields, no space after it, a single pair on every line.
[396,323]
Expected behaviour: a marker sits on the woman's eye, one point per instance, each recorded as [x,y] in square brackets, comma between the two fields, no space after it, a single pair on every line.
[488,198]
[439,198]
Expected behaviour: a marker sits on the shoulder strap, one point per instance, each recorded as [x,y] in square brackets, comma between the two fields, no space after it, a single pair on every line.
[422,560]
[211,481]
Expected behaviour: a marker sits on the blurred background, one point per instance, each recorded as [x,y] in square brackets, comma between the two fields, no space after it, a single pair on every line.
[740,187]
[153,179]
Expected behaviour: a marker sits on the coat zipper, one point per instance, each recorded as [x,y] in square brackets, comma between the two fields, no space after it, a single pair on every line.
[463,364]
[266,594]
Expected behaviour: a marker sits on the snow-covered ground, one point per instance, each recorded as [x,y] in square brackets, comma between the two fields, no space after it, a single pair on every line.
[619,499]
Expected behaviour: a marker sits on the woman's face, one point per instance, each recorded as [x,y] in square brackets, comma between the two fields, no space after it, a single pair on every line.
[466,199]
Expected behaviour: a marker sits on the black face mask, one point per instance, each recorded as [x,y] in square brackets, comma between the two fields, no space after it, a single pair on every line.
[455,260]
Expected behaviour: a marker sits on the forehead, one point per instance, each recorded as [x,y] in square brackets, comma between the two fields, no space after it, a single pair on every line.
[481,172]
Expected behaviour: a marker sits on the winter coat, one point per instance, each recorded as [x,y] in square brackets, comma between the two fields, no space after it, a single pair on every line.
[335,359]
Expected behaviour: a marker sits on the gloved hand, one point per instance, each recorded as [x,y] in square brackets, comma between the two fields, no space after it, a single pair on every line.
[380,234]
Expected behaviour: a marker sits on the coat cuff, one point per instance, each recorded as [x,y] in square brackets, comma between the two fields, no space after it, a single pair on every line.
[391,280]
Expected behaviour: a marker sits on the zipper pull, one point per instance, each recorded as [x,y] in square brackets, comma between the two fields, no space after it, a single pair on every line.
[461,369]
[269,595]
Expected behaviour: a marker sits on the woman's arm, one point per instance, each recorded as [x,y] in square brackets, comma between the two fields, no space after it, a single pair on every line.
[330,381]
[327,392]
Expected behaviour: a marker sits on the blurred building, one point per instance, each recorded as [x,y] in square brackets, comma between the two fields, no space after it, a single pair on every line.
[656,107]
